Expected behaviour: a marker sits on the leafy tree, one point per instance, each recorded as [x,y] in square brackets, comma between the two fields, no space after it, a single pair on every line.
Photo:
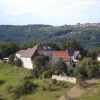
[11,59]
[39,61]
[39,66]
[18,62]
[7,48]
[53,45]
[47,74]
[70,44]
[25,87]
[59,67]
[87,68]
[24,46]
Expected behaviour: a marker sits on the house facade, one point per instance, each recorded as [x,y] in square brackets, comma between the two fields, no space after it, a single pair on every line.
[45,50]
[76,56]
[27,57]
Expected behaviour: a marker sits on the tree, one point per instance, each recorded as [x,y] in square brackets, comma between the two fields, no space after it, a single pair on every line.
[39,61]
[18,62]
[7,48]
[70,44]
[87,68]
[59,67]
[53,45]
[24,46]
[39,66]
[11,59]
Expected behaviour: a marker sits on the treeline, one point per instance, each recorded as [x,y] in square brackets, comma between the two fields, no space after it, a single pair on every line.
[7,48]
[88,36]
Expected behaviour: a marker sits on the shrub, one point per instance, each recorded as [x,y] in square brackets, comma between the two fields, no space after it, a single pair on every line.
[9,88]
[46,74]
[54,81]
[18,62]
[25,87]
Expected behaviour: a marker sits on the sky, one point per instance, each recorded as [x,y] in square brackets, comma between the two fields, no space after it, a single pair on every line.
[52,12]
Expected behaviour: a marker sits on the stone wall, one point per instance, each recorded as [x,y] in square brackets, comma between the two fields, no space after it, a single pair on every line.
[64,78]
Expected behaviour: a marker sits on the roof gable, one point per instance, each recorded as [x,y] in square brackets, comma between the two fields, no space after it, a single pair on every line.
[28,52]
[70,51]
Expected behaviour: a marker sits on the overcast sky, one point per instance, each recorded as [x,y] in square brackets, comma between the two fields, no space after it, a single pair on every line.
[54,12]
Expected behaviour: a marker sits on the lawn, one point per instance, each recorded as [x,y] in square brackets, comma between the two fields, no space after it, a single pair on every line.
[11,75]
[47,95]
[93,93]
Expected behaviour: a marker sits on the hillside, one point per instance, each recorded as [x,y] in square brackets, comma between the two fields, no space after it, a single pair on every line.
[11,75]
[87,35]
[11,78]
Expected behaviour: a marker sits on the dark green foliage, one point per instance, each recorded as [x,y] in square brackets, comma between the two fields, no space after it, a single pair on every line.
[54,81]
[25,87]
[87,68]
[18,62]
[39,61]
[87,36]
[7,48]
[59,68]
[24,46]
[2,82]
[70,44]
[11,59]
[53,45]
[54,85]
[47,74]
[39,66]
[9,88]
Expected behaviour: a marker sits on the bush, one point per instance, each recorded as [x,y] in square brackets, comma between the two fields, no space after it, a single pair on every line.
[54,81]
[18,62]
[46,74]
[11,59]
[9,88]
[25,87]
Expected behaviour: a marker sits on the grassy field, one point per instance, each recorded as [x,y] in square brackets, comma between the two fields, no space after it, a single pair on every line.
[11,75]
[93,93]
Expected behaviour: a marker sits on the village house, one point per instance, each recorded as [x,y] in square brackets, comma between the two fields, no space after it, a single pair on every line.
[76,56]
[27,57]
[45,50]
[64,55]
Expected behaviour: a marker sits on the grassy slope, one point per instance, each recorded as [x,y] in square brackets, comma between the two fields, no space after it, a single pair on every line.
[39,94]
[11,75]
[93,93]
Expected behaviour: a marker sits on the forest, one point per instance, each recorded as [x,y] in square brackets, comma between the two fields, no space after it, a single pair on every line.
[87,36]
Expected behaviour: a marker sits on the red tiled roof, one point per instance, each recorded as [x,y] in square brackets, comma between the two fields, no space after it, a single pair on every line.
[60,54]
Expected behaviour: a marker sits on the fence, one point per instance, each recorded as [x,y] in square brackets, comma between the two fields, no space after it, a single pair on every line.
[64,78]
